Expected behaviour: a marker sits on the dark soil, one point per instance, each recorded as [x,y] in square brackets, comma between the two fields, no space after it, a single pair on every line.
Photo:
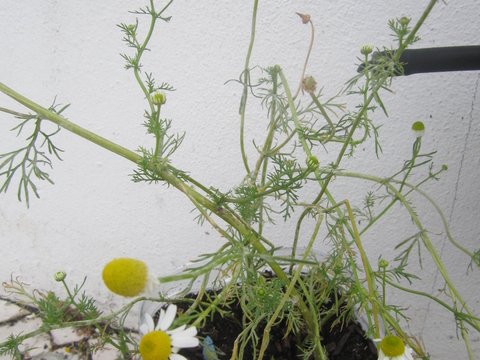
[345,342]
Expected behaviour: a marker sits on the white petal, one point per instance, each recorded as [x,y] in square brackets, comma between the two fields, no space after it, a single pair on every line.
[190,332]
[175,350]
[149,323]
[185,338]
[160,319]
[408,355]
[144,329]
[177,330]
[185,342]
[151,283]
[167,320]
[177,357]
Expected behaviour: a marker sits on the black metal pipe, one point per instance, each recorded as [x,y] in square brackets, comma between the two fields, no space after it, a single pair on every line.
[440,59]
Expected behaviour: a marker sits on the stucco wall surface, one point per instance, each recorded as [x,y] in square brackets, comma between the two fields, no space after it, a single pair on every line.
[94,212]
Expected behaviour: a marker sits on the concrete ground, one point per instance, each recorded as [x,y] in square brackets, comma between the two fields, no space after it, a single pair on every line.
[56,344]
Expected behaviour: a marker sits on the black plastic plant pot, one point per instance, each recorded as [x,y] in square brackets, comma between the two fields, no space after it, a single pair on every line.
[344,338]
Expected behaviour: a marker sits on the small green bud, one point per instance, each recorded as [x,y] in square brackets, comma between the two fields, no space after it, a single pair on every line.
[60,276]
[261,292]
[312,162]
[366,49]
[159,98]
[418,128]
[383,264]
[277,68]
[131,28]
[309,84]
[404,20]
[290,163]
[444,167]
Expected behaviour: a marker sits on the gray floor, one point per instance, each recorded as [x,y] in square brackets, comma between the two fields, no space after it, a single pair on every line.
[56,344]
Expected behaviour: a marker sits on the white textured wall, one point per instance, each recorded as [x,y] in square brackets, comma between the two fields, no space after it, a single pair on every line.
[94,212]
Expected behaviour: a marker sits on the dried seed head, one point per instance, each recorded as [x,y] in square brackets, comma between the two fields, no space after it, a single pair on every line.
[305,17]
[309,84]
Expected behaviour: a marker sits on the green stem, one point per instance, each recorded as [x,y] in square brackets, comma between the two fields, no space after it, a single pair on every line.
[219,298]
[97,326]
[142,48]
[267,146]
[416,149]
[325,115]
[349,137]
[377,87]
[433,252]
[159,135]
[366,267]
[383,285]
[413,187]
[67,125]
[437,300]
[306,149]
[246,79]
[306,59]
[375,219]
[319,352]
[417,26]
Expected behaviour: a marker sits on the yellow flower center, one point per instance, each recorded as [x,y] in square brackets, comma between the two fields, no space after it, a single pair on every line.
[418,126]
[155,346]
[159,98]
[125,277]
[392,346]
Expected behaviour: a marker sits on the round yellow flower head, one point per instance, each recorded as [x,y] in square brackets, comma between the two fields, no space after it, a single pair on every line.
[128,277]
[162,343]
[392,345]
[418,128]
[156,345]
[393,348]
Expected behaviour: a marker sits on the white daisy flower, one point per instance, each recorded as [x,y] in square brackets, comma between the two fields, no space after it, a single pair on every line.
[129,277]
[393,348]
[160,343]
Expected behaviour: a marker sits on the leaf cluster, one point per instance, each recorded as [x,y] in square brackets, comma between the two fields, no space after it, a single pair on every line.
[30,160]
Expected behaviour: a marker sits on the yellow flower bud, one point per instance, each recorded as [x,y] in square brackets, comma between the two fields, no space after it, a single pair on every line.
[128,277]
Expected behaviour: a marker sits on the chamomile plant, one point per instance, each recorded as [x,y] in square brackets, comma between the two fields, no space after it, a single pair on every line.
[297,291]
